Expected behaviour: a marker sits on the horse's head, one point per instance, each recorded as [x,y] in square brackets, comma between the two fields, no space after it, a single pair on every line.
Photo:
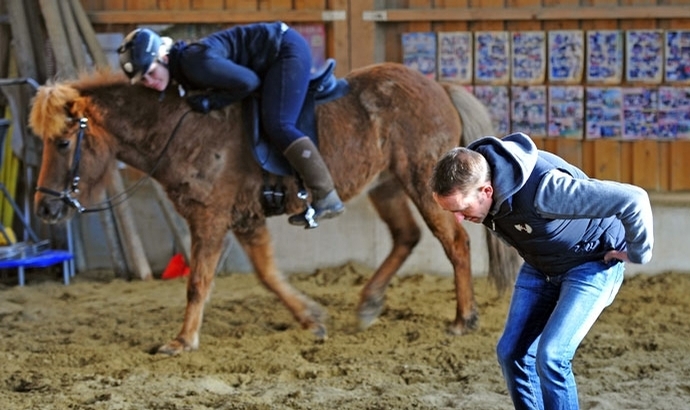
[76,150]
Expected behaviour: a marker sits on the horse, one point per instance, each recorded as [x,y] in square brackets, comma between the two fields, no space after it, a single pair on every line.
[384,136]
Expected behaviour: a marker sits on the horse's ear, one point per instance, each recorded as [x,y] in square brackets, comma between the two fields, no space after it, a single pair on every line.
[77,108]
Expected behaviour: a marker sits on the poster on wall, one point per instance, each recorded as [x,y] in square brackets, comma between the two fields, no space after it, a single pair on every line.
[677,56]
[419,52]
[315,34]
[566,111]
[674,112]
[604,60]
[528,51]
[566,56]
[455,56]
[492,57]
[496,99]
[604,112]
[640,109]
[528,110]
[643,56]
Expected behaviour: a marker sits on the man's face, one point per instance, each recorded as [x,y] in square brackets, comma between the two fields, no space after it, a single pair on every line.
[473,207]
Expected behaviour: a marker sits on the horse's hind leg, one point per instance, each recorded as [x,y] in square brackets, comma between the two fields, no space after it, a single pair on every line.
[456,244]
[392,206]
[259,249]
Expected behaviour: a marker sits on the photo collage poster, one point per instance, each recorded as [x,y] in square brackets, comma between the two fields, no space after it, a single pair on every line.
[455,56]
[677,56]
[604,112]
[419,52]
[497,100]
[528,53]
[604,56]
[492,57]
[674,112]
[315,34]
[644,56]
[566,56]
[566,111]
[640,112]
[528,110]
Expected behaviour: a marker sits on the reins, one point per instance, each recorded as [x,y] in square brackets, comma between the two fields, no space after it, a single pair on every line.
[68,194]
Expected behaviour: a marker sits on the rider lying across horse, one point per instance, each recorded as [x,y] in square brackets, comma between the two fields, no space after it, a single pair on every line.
[231,64]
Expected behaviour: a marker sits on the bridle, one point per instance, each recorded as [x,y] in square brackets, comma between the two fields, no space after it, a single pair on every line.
[68,195]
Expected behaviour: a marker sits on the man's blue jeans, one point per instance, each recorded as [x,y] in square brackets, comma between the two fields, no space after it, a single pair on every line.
[548,318]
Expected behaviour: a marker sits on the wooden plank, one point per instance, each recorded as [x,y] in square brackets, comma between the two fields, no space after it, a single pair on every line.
[58,39]
[338,36]
[141,4]
[309,5]
[21,37]
[626,168]
[570,150]
[679,165]
[588,157]
[241,5]
[664,165]
[419,26]
[366,35]
[275,5]
[89,35]
[451,25]
[179,4]
[205,16]
[498,13]
[522,25]
[73,37]
[485,24]
[646,164]
[606,157]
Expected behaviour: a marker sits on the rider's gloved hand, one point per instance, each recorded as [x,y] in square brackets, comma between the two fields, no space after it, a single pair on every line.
[204,103]
[199,103]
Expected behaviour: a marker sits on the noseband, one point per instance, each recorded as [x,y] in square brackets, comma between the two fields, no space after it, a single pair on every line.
[67,194]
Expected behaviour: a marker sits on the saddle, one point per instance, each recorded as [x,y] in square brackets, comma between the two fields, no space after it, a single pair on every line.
[323,87]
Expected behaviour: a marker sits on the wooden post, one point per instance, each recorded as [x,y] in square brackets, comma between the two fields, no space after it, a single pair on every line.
[73,38]
[175,222]
[58,38]
[24,51]
[88,34]
[131,242]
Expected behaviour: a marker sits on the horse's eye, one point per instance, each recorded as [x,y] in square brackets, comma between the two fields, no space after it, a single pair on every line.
[62,144]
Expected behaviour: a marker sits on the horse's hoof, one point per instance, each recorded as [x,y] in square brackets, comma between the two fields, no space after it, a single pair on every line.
[463,327]
[320,332]
[369,310]
[173,348]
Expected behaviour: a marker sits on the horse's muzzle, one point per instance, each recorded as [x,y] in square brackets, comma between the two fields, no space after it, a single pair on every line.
[53,210]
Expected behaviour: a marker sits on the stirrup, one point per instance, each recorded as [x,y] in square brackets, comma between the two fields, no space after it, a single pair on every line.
[325,208]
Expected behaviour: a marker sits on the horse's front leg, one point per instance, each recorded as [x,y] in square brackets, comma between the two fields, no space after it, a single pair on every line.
[259,249]
[206,250]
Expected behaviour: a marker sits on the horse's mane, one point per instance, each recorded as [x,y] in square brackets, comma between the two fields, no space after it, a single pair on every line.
[56,103]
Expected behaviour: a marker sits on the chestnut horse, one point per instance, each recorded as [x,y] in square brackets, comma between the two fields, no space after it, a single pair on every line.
[385,135]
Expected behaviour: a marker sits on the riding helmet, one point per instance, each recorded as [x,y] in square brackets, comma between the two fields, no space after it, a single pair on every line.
[138,51]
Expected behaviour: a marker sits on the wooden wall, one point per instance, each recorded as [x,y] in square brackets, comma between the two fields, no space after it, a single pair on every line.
[362,32]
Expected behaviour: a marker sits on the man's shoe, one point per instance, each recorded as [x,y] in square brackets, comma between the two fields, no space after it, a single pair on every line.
[327,207]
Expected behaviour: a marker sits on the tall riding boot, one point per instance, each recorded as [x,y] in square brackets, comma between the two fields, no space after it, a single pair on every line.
[306,159]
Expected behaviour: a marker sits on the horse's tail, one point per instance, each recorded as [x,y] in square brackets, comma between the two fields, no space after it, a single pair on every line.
[504,261]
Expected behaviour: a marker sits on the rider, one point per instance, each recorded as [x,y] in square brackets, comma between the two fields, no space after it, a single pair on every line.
[230,65]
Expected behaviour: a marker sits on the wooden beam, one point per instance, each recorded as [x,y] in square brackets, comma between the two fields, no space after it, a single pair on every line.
[208,17]
[527,13]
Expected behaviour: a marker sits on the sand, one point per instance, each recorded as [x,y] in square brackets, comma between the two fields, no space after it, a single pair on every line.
[88,346]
